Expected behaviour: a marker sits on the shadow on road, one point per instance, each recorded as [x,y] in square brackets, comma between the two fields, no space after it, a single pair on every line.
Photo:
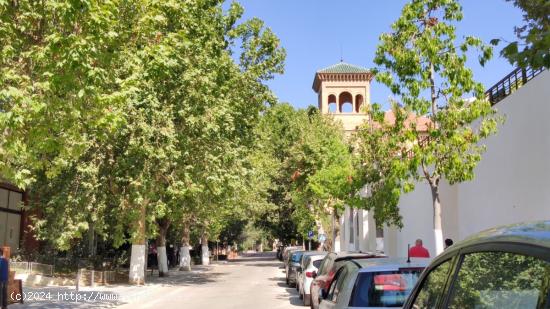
[181,278]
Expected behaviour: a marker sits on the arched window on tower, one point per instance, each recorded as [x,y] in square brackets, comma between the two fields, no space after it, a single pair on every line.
[345,102]
[332,107]
[358,103]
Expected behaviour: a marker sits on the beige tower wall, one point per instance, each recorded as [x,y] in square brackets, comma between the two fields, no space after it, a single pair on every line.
[349,120]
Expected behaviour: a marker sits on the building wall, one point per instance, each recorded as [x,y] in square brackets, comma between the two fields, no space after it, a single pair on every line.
[511,182]
[351,120]
[10,218]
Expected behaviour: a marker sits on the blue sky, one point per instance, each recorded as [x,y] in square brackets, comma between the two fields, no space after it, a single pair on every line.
[314,31]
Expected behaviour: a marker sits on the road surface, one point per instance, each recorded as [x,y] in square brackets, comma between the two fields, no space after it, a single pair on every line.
[254,281]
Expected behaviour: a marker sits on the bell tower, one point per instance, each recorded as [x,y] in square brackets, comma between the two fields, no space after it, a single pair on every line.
[343,91]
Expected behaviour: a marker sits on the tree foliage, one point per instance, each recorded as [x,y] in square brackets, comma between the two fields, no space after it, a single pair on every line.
[533,45]
[424,64]
[112,108]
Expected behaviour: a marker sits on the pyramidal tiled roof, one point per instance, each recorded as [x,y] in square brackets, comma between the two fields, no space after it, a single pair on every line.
[343,67]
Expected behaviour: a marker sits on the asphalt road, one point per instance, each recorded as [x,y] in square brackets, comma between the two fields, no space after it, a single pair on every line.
[254,281]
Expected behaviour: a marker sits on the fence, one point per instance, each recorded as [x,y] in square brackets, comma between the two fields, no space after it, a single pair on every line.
[511,83]
[32,268]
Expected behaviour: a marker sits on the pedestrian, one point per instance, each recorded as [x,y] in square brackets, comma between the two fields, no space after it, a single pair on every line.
[448,242]
[4,271]
[418,250]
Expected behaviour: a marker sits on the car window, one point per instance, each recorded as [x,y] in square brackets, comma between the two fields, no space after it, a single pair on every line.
[384,289]
[296,257]
[317,263]
[337,284]
[501,280]
[432,287]
[327,265]
[305,261]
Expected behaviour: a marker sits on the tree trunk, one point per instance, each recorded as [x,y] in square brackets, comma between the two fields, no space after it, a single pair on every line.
[205,254]
[336,243]
[438,232]
[162,258]
[138,257]
[185,256]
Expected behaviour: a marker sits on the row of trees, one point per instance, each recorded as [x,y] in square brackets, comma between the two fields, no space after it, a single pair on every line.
[123,118]
[127,120]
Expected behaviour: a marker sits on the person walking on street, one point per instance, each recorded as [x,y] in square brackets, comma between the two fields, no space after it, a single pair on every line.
[418,250]
[4,271]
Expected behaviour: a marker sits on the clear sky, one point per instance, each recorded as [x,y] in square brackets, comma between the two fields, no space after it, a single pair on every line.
[314,31]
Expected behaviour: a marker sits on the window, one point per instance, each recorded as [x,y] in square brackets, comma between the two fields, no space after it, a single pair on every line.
[501,280]
[296,257]
[432,287]
[337,284]
[326,267]
[384,289]
[317,263]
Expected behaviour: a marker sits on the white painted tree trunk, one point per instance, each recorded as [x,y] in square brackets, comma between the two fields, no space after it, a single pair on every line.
[438,235]
[137,265]
[438,231]
[138,257]
[205,254]
[185,258]
[162,259]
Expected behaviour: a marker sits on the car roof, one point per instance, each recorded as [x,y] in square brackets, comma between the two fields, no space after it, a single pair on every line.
[316,257]
[315,253]
[389,264]
[346,255]
[535,235]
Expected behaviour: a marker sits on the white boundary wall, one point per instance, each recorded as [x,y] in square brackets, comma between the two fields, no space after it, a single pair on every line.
[512,182]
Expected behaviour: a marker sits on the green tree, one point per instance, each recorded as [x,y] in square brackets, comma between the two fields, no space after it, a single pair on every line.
[423,64]
[124,115]
[533,45]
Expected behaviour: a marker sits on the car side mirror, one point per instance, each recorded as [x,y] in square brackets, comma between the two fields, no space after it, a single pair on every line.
[314,275]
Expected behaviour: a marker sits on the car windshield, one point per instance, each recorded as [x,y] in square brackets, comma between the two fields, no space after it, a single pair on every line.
[296,257]
[384,289]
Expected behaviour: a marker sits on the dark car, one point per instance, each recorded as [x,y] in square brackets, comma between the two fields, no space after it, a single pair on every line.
[330,264]
[504,267]
[294,259]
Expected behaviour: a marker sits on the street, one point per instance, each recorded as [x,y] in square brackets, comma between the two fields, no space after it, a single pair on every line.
[253,281]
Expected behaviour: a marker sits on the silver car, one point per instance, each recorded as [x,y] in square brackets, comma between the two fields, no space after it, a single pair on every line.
[373,283]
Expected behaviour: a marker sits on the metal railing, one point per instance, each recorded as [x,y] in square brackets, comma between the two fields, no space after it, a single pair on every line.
[32,268]
[511,83]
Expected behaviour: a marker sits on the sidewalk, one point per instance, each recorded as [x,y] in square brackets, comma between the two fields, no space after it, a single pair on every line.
[59,297]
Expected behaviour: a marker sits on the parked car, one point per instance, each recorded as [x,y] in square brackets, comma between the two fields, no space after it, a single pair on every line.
[372,283]
[300,268]
[292,266]
[504,267]
[286,252]
[310,264]
[330,264]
